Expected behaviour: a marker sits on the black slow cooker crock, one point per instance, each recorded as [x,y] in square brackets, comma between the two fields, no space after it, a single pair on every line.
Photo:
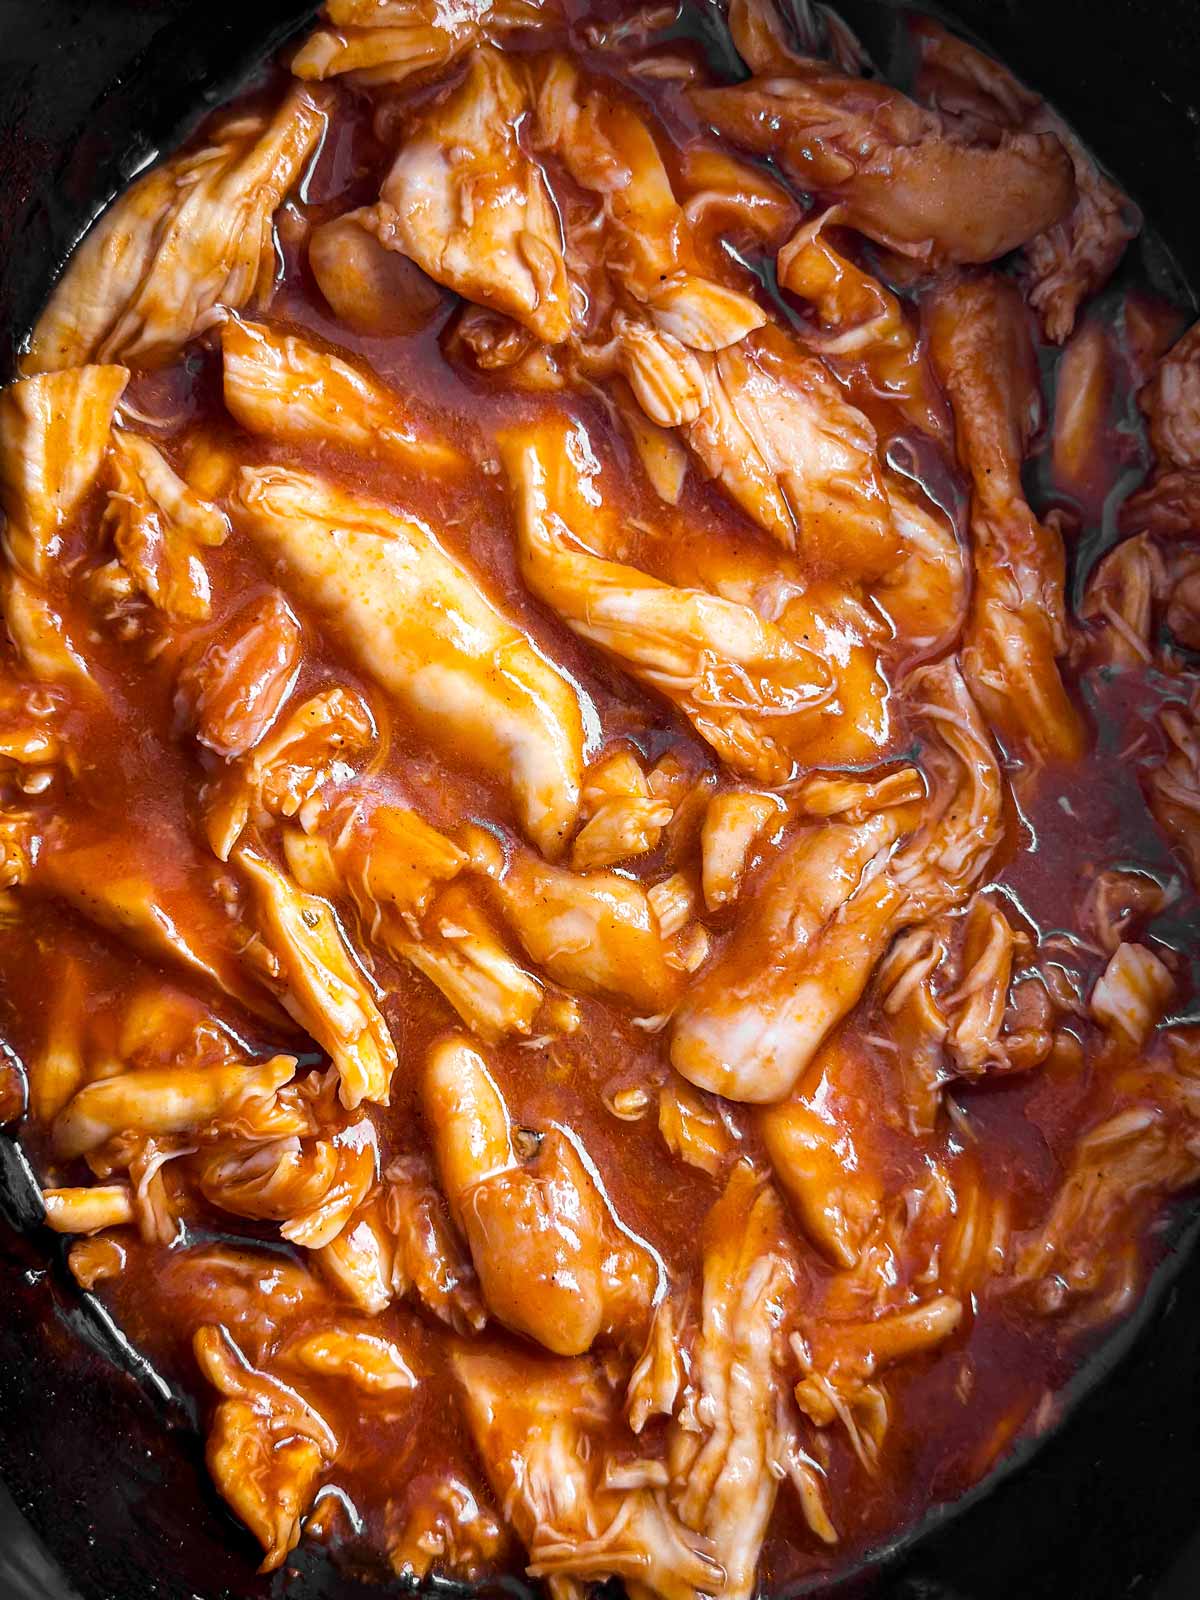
[103,1493]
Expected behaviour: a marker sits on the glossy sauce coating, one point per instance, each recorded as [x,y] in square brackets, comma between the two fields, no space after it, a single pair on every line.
[605,899]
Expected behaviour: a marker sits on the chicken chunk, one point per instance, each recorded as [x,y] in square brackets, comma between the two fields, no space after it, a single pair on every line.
[593,932]
[55,431]
[734,823]
[1171,403]
[777,434]
[231,687]
[650,255]
[540,1428]
[983,353]
[394,865]
[88,1210]
[163,1100]
[190,239]
[421,624]
[862,321]
[807,943]
[553,1263]
[266,1448]
[370,288]
[429,1261]
[159,527]
[314,747]
[321,983]
[1142,1145]
[725,1472]
[1172,784]
[469,206]
[798,960]
[760,695]
[815,1156]
[894,168]
[278,385]
[1074,257]
[393,41]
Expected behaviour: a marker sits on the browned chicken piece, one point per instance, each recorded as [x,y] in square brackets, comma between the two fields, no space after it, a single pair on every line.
[961,825]
[899,173]
[177,917]
[1117,903]
[320,982]
[55,432]
[1130,997]
[292,768]
[597,933]
[1172,784]
[419,622]
[1074,257]
[621,817]
[553,1262]
[543,1429]
[931,1252]
[1170,503]
[1083,393]
[163,1100]
[1171,403]
[370,288]
[191,239]
[359,1262]
[981,346]
[861,320]
[372,1364]
[310,1186]
[772,46]
[1121,596]
[267,1446]
[47,645]
[284,388]
[839,1362]
[977,1005]
[799,958]
[733,1439]
[774,430]
[400,876]
[810,1141]
[429,1261]
[649,255]
[735,823]
[762,694]
[720,190]
[1183,602]
[693,1127]
[159,527]
[231,687]
[1145,1144]
[90,1209]
[394,41]
[469,206]
[926,593]
[823,915]
[401,1244]
[446,1529]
